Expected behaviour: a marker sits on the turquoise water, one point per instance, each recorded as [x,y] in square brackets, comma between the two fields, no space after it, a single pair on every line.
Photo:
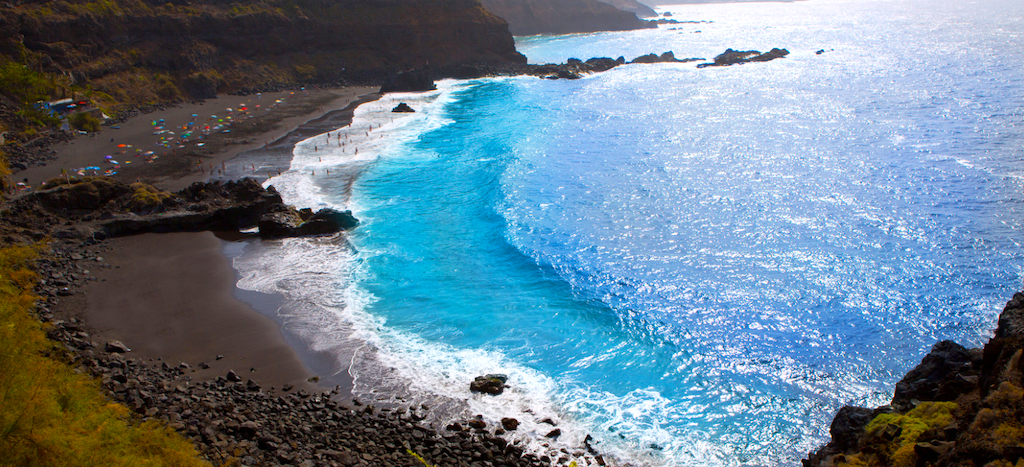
[694,267]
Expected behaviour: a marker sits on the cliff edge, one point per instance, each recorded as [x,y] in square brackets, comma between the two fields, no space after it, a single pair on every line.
[529,17]
[958,407]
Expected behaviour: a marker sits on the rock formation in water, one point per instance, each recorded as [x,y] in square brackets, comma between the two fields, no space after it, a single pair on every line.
[958,407]
[736,57]
[528,17]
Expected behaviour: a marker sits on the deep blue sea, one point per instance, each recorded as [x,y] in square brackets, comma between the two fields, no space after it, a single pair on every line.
[692,266]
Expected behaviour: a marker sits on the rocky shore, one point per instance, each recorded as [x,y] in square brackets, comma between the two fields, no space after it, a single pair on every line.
[234,417]
[959,406]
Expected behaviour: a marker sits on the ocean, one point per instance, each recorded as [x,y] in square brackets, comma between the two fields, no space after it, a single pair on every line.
[689,266]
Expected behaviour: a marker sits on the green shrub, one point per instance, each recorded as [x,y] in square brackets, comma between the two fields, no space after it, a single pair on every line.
[85,121]
[147,198]
[899,452]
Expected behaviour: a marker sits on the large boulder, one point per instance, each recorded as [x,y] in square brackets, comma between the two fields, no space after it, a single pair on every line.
[945,373]
[489,384]
[289,223]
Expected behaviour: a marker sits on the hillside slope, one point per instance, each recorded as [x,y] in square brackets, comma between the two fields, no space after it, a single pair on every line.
[137,52]
[633,6]
[528,17]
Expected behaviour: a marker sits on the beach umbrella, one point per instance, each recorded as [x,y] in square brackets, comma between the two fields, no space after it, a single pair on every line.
[147,153]
[122,145]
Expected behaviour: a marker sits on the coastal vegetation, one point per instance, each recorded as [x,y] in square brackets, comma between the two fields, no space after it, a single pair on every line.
[52,414]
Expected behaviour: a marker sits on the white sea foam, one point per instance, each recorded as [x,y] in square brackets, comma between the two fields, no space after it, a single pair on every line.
[328,311]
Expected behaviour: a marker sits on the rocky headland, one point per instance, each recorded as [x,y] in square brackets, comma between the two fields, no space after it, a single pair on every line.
[958,407]
[97,208]
[633,6]
[529,17]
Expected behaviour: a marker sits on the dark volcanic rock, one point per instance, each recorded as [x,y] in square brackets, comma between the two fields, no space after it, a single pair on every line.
[409,81]
[943,374]
[489,384]
[734,57]
[978,381]
[509,424]
[215,206]
[847,426]
[402,107]
[289,223]
[116,347]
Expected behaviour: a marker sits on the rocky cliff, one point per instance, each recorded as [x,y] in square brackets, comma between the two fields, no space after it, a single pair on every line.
[633,6]
[958,407]
[528,17]
[149,51]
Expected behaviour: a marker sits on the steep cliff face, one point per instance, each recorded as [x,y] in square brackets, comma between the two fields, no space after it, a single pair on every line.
[528,17]
[958,407]
[633,6]
[161,50]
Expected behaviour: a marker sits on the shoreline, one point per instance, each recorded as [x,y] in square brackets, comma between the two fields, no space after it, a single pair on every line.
[158,320]
[186,143]
[172,329]
[154,311]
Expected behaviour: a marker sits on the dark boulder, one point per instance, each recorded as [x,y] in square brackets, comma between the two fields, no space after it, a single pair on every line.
[489,384]
[848,425]
[599,64]
[943,374]
[402,107]
[289,223]
[770,55]
[116,347]
[509,424]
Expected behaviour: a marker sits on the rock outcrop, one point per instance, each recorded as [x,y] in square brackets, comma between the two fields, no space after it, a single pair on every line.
[735,57]
[402,107]
[489,384]
[414,80]
[140,51]
[958,407]
[633,6]
[98,208]
[667,57]
[529,17]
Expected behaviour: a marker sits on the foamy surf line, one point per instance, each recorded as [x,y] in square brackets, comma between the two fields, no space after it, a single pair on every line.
[327,309]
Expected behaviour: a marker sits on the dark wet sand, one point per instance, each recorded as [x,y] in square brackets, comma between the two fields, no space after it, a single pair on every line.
[172,297]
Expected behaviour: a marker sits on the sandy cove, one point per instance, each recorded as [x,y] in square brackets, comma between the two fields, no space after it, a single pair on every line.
[180,163]
[213,367]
